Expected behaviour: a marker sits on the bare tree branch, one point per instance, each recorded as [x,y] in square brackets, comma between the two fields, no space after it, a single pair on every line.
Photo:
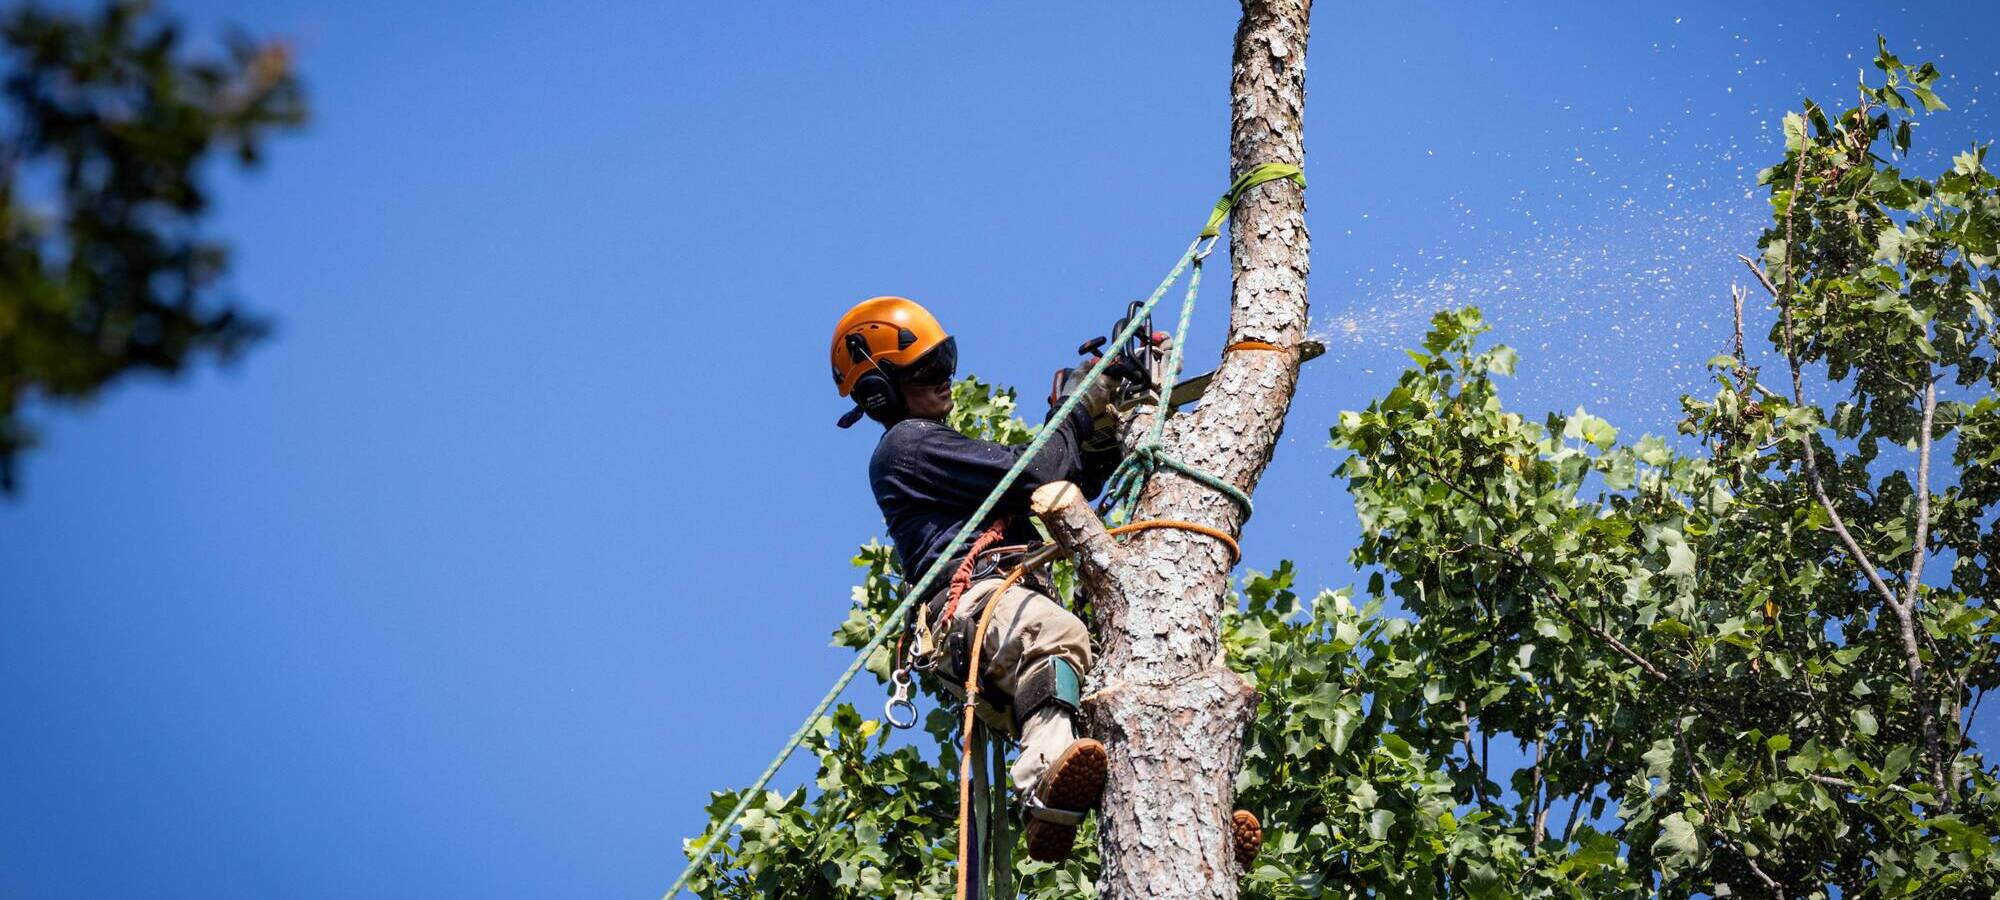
[1538,803]
[1903,612]
[1736,294]
[1762,279]
[1839,523]
[1920,549]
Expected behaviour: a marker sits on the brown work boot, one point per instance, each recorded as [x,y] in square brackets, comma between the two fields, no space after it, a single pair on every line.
[1246,836]
[1069,790]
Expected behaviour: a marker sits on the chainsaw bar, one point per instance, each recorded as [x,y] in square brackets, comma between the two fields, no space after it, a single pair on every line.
[1190,390]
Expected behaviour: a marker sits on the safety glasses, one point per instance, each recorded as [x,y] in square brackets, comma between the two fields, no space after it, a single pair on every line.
[935,367]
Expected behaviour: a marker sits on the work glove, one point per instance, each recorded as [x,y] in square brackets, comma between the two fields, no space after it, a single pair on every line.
[1096,397]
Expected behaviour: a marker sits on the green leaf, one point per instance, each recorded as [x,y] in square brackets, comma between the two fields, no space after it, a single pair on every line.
[1659,758]
[1896,762]
[1591,429]
[1864,721]
[1677,847]
[1680,557]
[1379,823]
[1652,450]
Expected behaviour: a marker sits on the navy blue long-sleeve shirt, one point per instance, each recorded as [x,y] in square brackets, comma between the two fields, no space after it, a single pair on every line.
[929,479]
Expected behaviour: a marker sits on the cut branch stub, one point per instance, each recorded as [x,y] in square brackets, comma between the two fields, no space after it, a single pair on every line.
[1076,529]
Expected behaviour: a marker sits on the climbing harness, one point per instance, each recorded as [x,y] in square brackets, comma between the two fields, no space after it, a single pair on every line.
[1131,476]
[961,579]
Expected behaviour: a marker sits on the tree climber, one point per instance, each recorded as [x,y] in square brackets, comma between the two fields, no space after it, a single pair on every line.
[896,362]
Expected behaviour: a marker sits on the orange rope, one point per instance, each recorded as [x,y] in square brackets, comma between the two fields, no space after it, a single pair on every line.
[1255,345]
[962,578]
[971,719]
[1235,551]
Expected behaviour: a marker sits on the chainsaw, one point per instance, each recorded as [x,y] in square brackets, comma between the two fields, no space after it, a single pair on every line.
[1140,364]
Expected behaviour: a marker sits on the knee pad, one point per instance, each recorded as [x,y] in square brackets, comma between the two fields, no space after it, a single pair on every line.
[1051,681]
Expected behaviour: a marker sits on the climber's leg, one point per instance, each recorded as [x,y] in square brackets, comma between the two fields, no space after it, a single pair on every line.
[1038,652]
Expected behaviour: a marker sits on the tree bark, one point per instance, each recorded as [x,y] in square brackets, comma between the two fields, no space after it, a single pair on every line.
[1169,710]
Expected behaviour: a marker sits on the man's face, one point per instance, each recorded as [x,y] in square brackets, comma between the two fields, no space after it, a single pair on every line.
[928,401]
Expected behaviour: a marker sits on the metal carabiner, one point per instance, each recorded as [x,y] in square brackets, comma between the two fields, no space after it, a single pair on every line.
[899,700]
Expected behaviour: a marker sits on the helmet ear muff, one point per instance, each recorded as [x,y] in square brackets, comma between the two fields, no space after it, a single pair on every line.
[876,393]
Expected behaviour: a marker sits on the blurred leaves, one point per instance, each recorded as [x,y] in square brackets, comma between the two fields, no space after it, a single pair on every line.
[108,131]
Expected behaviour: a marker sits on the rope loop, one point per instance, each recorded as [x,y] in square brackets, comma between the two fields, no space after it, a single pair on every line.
[1235,549]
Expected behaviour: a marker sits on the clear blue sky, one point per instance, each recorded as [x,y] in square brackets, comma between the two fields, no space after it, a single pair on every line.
[529,527]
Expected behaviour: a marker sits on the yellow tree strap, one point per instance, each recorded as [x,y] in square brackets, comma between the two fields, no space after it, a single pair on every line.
[1260,174]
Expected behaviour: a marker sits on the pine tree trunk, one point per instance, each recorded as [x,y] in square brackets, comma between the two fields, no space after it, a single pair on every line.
[1162,698]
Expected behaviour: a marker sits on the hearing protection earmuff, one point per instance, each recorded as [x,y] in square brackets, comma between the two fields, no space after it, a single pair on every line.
[874,392]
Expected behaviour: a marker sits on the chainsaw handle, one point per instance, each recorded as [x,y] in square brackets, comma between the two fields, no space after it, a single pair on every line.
[1056,386]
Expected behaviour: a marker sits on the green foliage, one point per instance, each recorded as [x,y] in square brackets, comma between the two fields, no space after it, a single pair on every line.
[983,411]
[1621,666]
[110,275]
[1677,642]
[871,828]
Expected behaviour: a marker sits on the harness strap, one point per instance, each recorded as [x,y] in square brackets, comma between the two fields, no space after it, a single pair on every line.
[1034,809]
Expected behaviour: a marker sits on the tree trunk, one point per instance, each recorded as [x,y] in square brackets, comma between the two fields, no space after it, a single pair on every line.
[1170,711]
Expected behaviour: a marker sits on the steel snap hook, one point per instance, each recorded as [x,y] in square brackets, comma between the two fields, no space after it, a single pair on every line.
[900,712]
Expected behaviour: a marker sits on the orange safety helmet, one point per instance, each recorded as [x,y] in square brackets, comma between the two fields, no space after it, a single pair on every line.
[883,343]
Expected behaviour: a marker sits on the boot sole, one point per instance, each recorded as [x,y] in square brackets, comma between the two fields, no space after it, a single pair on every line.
[1075,782]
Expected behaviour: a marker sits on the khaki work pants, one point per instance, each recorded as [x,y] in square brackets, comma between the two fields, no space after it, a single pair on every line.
[1028,627]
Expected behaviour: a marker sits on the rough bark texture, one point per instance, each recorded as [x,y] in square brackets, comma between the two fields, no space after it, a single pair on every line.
[1169,710]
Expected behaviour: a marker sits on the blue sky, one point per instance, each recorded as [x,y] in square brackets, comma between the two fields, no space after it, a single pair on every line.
[529,527]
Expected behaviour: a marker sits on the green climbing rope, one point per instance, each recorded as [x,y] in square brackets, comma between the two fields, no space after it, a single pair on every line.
[1129,480]
[893,621]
